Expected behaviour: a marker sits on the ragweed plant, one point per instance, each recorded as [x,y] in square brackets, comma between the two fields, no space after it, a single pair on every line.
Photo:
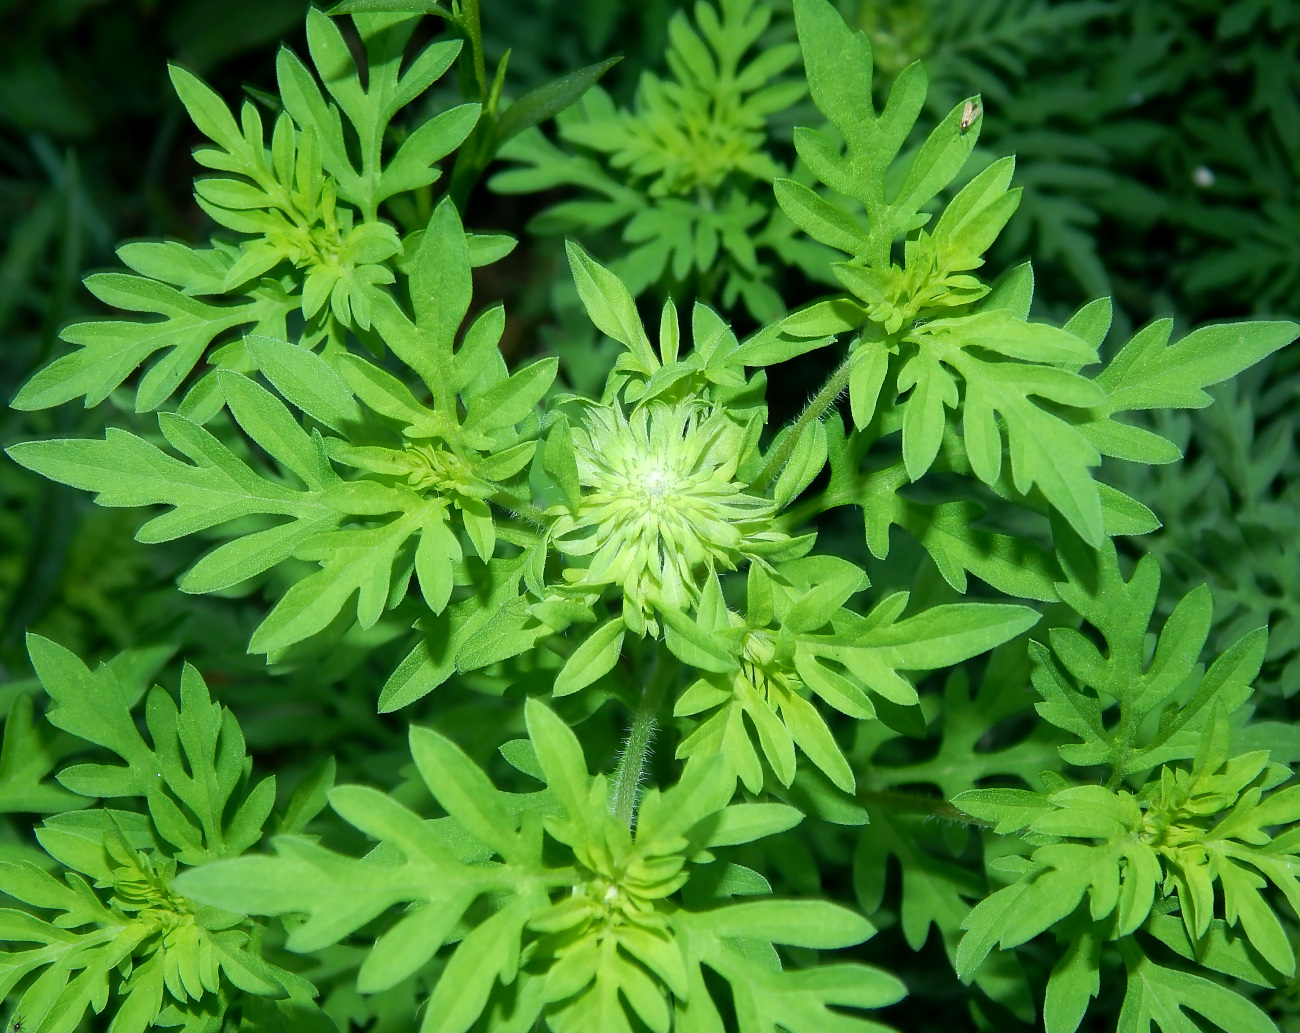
[407,505]
[681,173]
[120,934]
[1189,818]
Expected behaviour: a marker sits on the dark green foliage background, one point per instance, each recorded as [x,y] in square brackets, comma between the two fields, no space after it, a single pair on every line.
[1158,142]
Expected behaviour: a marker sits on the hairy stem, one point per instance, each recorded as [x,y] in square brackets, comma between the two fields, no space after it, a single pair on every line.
[823,400]
[522,508]
[645,719]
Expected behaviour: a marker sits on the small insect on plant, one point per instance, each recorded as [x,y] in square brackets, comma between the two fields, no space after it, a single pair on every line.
[970,113]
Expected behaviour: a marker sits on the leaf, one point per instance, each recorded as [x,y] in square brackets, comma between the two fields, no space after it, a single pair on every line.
[559,755]
[806,460]
[197,757]
[610,306]
[91,705]
[1149,374]
[389,7]
[745,823]
[305,380]
[973,219]
[594,658]
[127,471]
[1160,997]
[1121,610]
[561,462]
[801,923]
[1009,809]
[938,637]
[693,644]
[111,350]
[412,166]
[1074,981]
[1045,450]
[26,757]
[768,999]
[820,219]
[510,401]
[353,562]
[463,790]
[548,100]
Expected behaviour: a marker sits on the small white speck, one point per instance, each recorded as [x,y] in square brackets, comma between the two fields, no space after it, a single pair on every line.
[1135,98]
[1203,177]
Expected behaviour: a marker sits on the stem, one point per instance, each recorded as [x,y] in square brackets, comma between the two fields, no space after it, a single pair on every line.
[631,765]
[474,30]
[522,508]
[824,399]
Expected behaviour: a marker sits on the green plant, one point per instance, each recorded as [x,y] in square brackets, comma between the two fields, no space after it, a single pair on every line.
[646,580]
[679,171]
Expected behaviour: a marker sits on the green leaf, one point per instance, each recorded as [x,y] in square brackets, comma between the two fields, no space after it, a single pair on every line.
[26,757]
[305,380]
[973,219]
[1074,981]
[548,100]
[594,658]
[610,306]
[747,822]
[111,350]
[92,706]
[818,924]
[463,790]
[1010,810]
[694,645]
[820,219]
[1162,997]
[561,462]
[412,166]
[356,561]
[509,402]
[1149,374]
[559,755]
[389,7]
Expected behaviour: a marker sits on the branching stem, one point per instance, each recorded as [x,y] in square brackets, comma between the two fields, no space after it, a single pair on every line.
[814,411]
[636,752]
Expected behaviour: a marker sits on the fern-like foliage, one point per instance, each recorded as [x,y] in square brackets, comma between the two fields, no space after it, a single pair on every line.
[681,173]
[304,211]
[1204,829]
[952,363]
[615,924]
[422,466]
[105,921]
[375,473]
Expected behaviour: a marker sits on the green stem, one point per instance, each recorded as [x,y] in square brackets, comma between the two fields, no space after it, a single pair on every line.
[824,399]
[475,26]
[520,507]
[806,510]
[631,765]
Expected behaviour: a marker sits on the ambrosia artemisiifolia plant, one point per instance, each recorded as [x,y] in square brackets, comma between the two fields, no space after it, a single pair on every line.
[340,434]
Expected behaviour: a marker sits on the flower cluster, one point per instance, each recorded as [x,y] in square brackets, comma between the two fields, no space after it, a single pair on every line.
[664,508]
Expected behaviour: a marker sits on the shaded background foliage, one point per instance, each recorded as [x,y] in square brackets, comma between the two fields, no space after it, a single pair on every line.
[1158,143]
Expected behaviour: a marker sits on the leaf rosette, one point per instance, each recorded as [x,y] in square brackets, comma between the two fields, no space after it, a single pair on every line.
[600,924]
[663,509]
